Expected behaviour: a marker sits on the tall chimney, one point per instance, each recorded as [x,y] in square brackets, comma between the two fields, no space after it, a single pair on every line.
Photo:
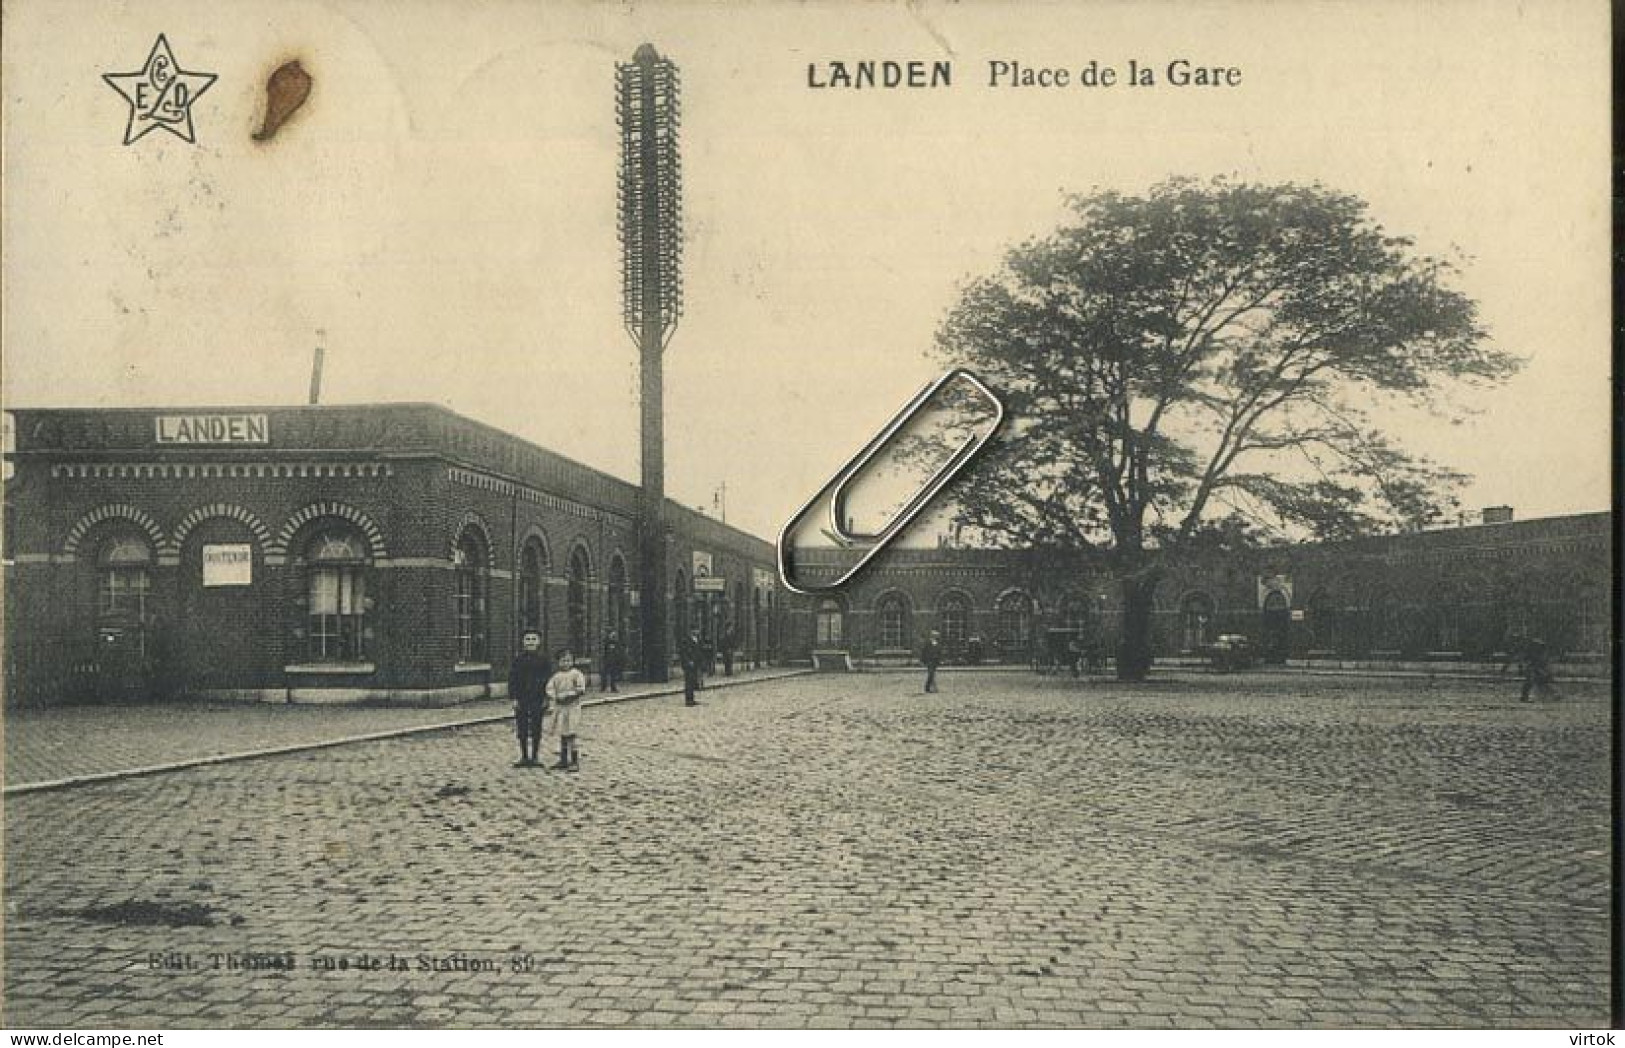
[650,221]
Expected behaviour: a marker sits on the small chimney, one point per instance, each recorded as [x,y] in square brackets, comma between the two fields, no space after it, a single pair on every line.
[316,367]
[1497,514]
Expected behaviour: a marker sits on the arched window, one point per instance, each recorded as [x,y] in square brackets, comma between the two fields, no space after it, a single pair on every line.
[1075,612]
[1196,620]
[893,613]
[532,589]
[828,624]
[123,585]
[469,596]
[1015,623]
[579,625]
[336,586]
[954,614]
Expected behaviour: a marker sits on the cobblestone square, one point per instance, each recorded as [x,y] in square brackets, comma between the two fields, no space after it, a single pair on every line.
[1267,850]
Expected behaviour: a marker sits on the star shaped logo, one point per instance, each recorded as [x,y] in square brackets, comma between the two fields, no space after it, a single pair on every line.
[160,94]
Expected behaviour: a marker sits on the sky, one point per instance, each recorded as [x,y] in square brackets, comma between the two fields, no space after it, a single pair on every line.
[443,207]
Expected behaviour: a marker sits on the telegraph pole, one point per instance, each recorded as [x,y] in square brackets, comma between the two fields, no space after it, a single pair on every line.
[650,224]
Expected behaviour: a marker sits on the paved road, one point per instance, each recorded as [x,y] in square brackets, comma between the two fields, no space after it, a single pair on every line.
[842,851]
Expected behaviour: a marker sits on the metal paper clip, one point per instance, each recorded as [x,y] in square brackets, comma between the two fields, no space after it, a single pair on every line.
[836,493]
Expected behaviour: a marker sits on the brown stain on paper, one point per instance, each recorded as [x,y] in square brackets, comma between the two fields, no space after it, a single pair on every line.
[285,92]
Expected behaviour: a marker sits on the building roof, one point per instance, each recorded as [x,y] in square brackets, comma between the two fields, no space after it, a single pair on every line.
[385,431]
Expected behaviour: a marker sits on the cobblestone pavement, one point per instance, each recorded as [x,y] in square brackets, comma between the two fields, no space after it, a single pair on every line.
[844,851]
[64,742]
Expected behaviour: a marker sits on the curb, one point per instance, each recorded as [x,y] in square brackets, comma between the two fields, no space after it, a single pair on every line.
[394,733]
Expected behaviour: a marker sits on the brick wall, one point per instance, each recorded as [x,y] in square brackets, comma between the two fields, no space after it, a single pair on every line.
[1453,594]
[407,482]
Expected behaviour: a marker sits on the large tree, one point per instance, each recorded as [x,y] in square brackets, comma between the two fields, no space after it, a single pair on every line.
[1197,365]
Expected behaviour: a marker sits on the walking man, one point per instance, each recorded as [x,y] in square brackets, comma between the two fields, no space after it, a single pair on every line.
[1532,657]
[527,683]
[931,658]
[614,656]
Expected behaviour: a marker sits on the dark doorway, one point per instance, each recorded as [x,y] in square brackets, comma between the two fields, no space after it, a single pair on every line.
[1276,628]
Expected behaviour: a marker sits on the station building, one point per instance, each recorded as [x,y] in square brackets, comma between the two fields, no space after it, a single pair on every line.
[390,553]
[1454,595]
[395,553]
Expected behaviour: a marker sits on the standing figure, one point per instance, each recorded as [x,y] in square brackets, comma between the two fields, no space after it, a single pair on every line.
[1075,656]
[728,640]
[614,661]
[690,651]
[566,689]
[931,658]
[527,684]
[1534,661]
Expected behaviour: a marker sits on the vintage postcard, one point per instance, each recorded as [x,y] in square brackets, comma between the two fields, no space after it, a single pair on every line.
[870,515]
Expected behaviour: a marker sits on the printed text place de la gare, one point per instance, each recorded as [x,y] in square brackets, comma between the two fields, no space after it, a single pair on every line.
[862,74]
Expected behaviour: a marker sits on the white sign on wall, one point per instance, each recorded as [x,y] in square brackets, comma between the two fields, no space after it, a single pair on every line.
[702,564]
[228,565]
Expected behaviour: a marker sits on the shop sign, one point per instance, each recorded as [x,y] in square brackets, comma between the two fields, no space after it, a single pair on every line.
[228,565]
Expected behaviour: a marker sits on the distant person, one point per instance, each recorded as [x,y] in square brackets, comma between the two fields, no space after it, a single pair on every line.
[1534,662]
[1076,655]
[566,689]
[728,639]
[527,687]
[931,658]
[690,652]
[614,663]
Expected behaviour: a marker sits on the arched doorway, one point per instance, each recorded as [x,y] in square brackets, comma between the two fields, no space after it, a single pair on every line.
[577,603]
[1275,628]
[1196,621]
[1015,627]
[124,588]
[829,625]
[953,623]
[533,589]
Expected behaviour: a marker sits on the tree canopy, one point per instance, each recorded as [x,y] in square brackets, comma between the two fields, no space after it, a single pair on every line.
[1197,365]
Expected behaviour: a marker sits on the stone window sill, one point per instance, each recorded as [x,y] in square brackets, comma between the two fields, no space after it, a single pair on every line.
[340,668]
[472,667]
